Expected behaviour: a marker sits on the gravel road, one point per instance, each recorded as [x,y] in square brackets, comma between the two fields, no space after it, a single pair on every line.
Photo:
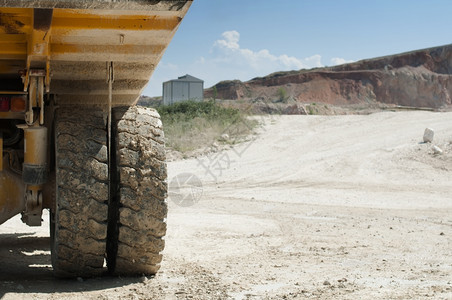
[343,207]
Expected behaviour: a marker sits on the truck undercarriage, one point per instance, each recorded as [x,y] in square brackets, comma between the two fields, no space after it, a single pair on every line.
[71,139]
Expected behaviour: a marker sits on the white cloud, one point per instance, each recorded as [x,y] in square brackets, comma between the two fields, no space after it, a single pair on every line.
[228,50]
[340,61]
[230,40]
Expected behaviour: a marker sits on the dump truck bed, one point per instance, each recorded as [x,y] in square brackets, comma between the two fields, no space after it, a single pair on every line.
[75,39]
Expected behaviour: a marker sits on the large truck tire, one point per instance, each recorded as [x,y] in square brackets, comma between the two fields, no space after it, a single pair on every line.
[138,207]
[79,220]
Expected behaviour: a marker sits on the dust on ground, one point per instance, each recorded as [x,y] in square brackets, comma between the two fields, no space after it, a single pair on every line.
[348,207]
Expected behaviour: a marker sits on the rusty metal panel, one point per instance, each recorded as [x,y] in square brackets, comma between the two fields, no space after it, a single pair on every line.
[123,5]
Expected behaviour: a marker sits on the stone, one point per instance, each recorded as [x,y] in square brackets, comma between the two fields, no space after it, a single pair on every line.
[224,137]
[437,150]
[428,135]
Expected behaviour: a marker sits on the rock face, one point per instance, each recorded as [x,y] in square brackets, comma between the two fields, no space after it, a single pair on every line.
[295,109]
[419,78]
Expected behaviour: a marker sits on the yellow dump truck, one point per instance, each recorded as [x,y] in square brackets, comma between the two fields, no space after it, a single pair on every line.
[71,138]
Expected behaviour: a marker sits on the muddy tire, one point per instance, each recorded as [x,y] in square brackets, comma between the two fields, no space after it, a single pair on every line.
[138,207]
[79,220]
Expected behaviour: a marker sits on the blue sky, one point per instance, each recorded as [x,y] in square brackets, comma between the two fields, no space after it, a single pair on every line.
[242,39]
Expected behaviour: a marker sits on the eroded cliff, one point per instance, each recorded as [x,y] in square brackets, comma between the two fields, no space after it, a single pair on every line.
[419,78]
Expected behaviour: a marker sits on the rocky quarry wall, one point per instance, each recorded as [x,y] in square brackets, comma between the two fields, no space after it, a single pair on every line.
[419,78]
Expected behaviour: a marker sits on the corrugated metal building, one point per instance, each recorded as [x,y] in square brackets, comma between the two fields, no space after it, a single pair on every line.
[184,88]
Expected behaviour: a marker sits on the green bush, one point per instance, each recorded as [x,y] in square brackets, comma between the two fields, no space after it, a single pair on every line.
[191,125]
[282,94]
[190,110]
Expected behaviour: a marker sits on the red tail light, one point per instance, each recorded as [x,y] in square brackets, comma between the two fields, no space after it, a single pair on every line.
[4,103]
[18,104]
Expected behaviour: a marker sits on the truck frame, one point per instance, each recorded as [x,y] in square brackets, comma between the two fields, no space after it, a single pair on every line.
[72,139]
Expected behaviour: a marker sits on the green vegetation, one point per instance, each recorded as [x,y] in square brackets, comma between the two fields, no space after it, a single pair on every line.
[312,109]
[282,94]
[192,125]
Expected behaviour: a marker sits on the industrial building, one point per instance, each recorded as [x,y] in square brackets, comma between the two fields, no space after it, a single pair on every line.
[184,88]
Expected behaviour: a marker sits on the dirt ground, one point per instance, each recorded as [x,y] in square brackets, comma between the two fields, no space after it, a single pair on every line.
[322,207]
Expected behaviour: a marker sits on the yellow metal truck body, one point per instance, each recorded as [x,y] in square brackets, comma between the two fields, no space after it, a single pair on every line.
[75,40]
[77,54]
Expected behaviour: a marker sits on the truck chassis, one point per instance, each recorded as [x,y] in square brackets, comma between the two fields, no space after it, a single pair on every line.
[71,138]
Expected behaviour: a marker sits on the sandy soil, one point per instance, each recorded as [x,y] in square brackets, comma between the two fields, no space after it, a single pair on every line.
[344,207]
